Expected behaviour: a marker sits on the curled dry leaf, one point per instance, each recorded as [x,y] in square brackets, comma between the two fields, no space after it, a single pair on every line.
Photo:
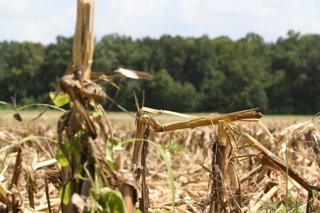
[3,193]
[78,202]
[134,74]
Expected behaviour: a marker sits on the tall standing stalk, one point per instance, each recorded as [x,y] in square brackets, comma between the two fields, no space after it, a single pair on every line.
[83,40]
[89,173]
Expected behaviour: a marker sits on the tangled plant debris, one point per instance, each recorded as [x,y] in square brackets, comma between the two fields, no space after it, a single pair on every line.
[230,162]
[262,188]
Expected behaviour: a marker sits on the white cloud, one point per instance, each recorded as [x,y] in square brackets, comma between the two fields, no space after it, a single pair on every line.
[39,20]
[130,17]
[13,8]
[34,20]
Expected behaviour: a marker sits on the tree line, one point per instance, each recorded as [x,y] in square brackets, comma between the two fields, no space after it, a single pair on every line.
[191,73]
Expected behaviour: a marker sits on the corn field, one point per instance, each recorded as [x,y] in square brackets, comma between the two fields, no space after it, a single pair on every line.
[85,160]
[28,165]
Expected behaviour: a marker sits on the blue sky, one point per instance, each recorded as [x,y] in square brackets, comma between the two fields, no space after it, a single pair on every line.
[43,20]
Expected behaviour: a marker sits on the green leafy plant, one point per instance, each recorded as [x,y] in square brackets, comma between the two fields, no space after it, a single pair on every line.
[65,193]
[164,156]
[111,201]
[59,99]
[175,148]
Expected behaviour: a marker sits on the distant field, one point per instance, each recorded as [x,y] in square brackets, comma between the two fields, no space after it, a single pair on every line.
[121,118]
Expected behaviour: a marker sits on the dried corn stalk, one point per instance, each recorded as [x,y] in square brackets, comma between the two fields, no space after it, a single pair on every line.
[226,189]
[87,134]
[144,123]
[273,162]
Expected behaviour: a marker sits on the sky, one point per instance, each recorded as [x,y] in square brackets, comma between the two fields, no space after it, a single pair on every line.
[43,20]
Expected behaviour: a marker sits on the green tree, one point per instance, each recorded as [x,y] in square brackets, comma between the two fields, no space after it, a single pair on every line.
[113,51]
[57,57]
[172,56]
[165,93]
[296,72]
[190,73]
[199,61]
[238,80]
[21,63]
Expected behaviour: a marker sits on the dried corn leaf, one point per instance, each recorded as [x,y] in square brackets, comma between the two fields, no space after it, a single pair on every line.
[3,193]
[167,112]
[134,74]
